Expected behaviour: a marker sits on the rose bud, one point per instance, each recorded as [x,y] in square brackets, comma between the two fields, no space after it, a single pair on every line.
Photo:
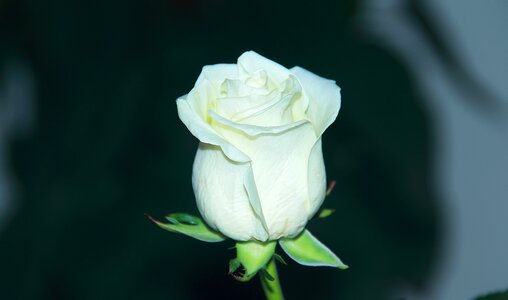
[259,172]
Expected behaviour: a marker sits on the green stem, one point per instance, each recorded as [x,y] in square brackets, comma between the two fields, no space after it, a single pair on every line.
[272,288]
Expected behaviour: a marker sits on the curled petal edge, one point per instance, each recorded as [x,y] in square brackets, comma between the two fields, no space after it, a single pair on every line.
[321,113]
[253,130]
[205,133]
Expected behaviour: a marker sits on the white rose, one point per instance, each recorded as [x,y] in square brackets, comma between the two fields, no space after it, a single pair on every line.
[259,171]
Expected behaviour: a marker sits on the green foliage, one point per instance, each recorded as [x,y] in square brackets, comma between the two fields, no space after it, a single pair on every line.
[253,256]
[234,264]
[307,250]
[189,225]
[279,259]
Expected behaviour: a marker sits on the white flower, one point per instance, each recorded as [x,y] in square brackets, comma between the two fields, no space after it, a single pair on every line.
[259,170]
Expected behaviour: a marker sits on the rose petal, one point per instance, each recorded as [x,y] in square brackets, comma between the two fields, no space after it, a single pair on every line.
[238,88]
[236,108]
[216,74]
[272,113]
[324,98]
[273,109]
[250,130]
[316,178]
[252,191]
[280,163]
[250,62]
[202,130]
[222,194]
[280,166]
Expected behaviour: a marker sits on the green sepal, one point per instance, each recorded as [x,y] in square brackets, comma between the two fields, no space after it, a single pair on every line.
[305,249]
[266,275]
[234,264]
[253,256]
[189,225]
[183,218]
[280,259]
[326,212]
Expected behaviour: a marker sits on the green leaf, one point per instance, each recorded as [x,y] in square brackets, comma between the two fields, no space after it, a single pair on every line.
[253,255]
[305,249]
[326,212]
[189,225]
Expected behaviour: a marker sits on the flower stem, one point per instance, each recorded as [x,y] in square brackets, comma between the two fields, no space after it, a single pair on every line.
[272,288]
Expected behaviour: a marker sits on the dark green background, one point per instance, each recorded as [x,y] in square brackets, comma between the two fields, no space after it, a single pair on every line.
[107,146]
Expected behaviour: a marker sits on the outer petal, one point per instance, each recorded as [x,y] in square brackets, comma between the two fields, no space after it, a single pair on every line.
[204,132]
[316,179]
[222,197]
[279,162]
[324,98]
[250,186]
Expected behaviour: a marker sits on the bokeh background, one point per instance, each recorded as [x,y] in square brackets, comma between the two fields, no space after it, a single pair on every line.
[90,140]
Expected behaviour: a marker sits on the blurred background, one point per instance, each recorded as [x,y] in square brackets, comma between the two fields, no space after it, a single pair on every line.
[90,140]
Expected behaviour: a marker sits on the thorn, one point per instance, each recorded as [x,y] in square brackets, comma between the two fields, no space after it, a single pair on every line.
[331,186]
